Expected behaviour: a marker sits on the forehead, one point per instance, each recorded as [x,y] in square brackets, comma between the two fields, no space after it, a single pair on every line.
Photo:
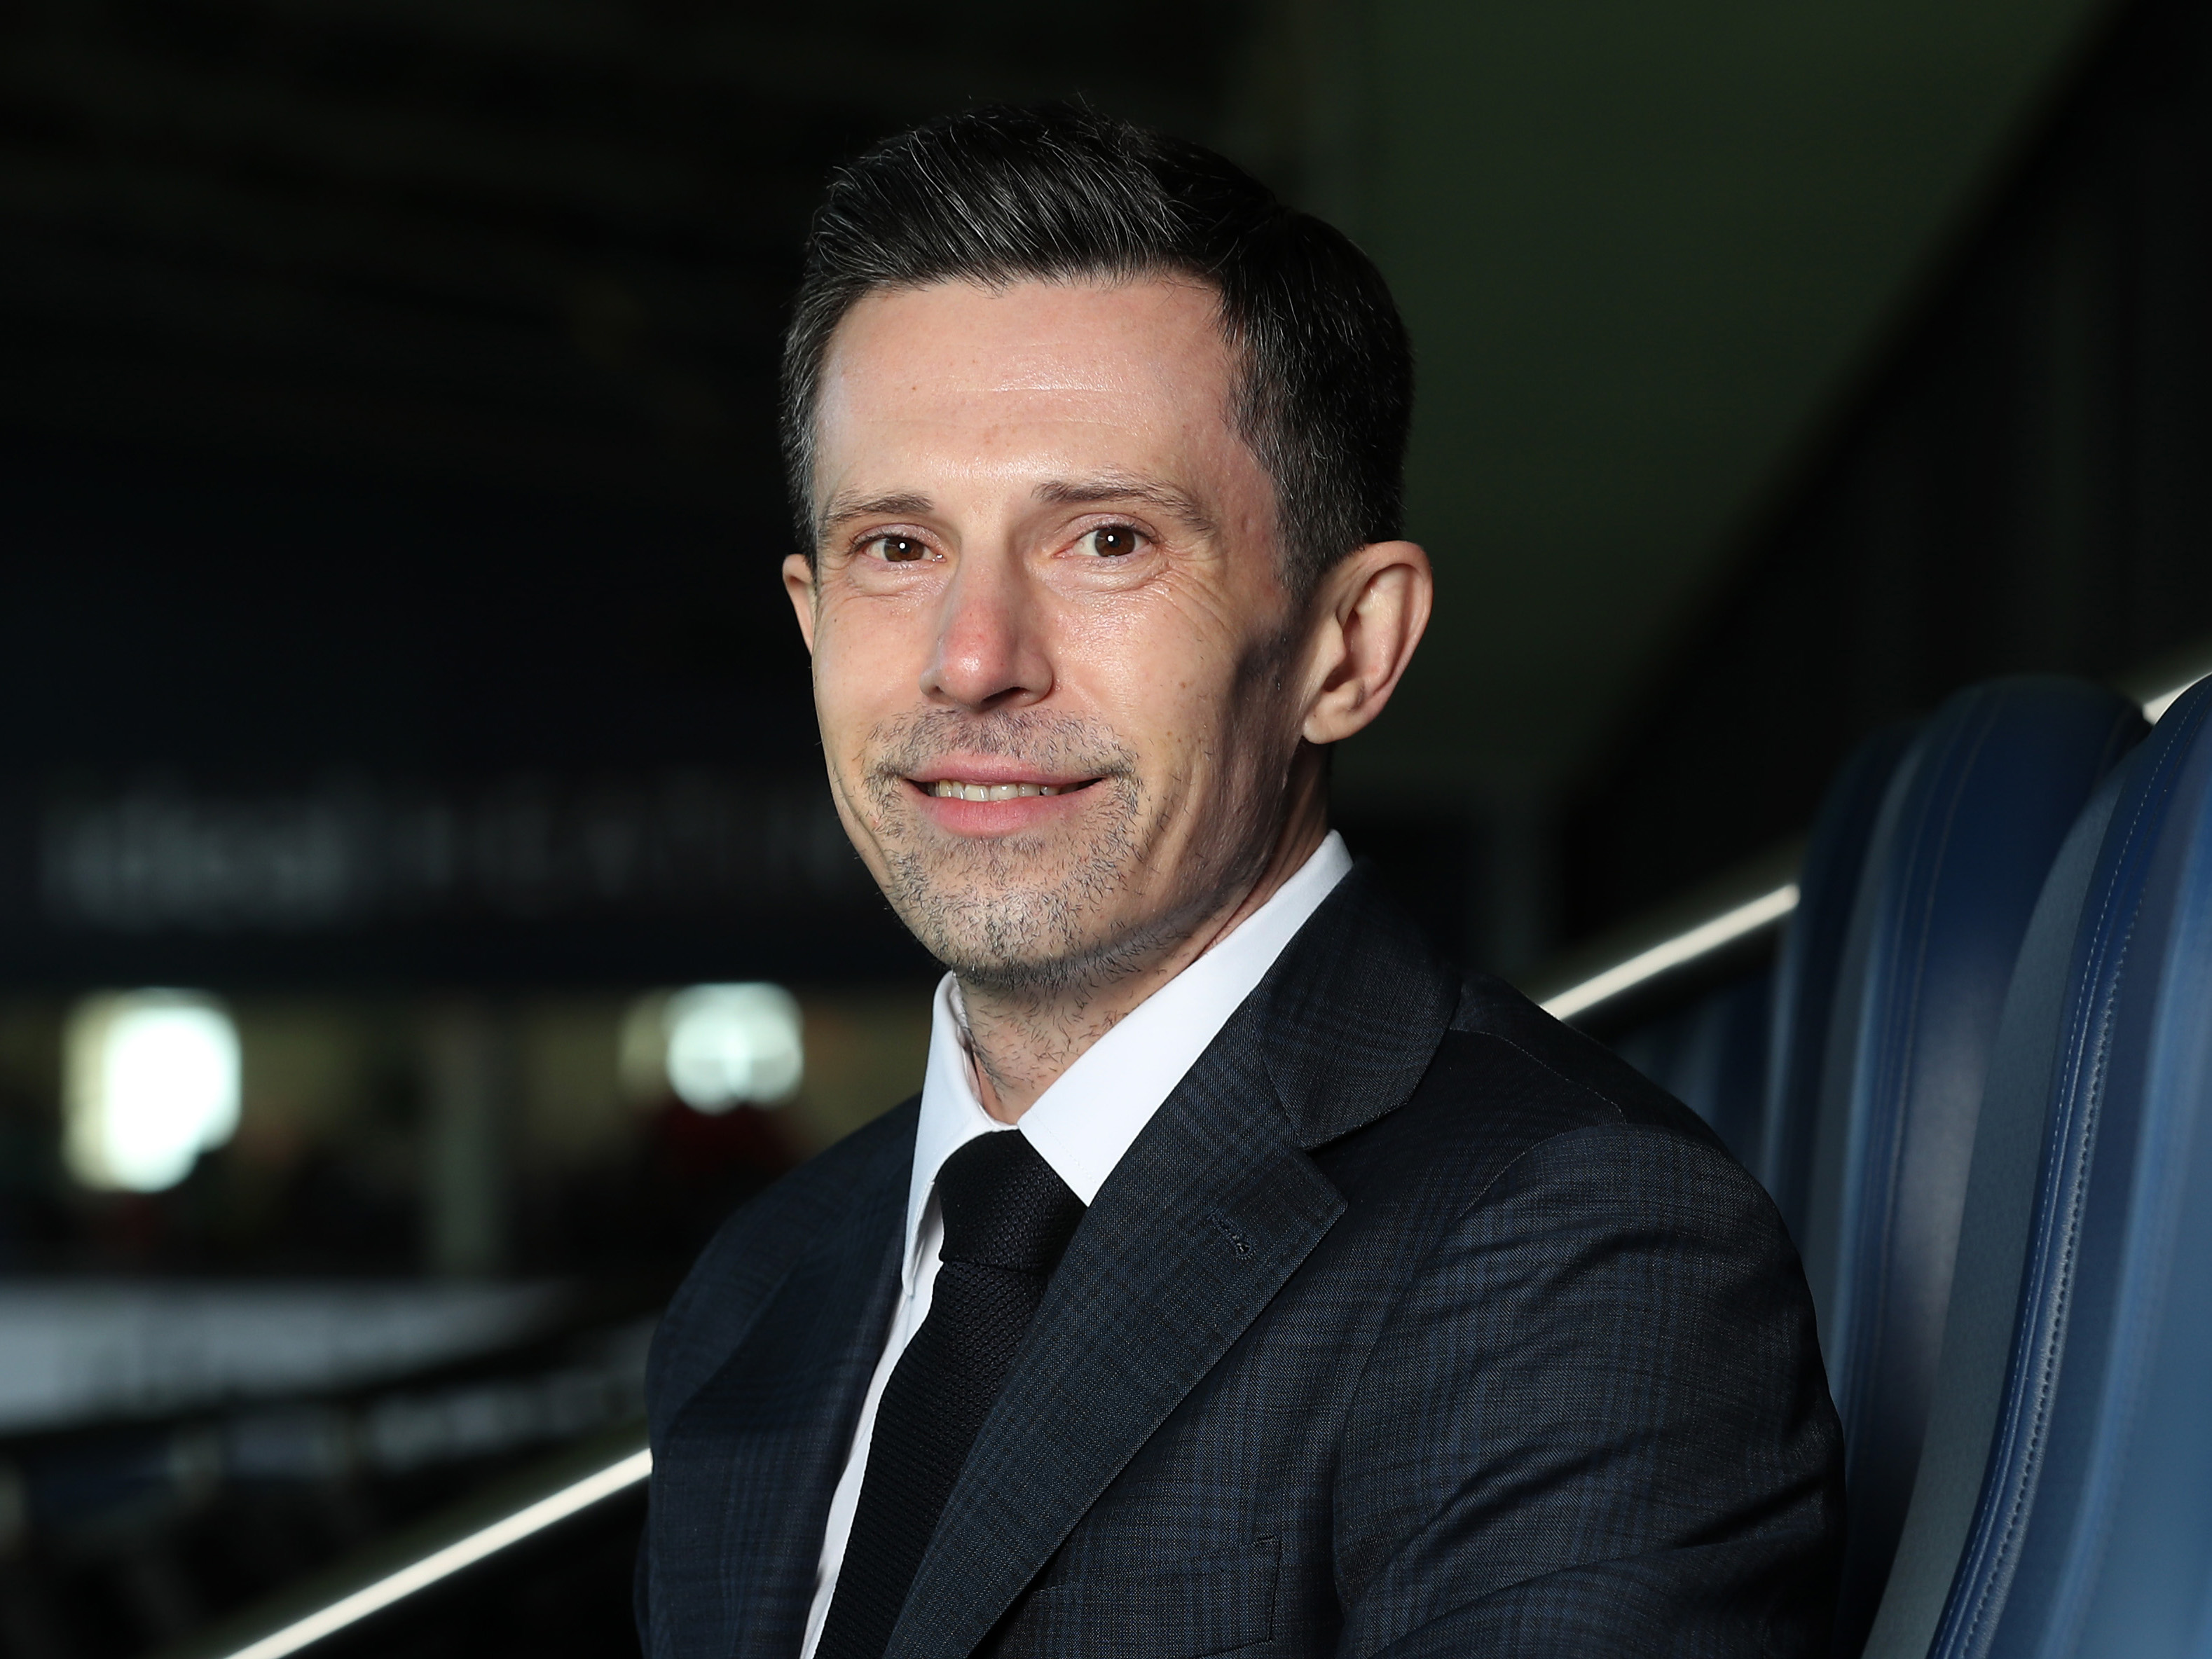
[1058,374]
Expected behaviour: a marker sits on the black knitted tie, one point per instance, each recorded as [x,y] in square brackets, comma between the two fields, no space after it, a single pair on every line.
[1008,1220]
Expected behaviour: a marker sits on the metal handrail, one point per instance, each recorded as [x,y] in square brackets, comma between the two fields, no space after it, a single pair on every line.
[433,1550]
[1755,897]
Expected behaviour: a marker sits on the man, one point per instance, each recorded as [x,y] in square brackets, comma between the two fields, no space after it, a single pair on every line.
[1243,1278]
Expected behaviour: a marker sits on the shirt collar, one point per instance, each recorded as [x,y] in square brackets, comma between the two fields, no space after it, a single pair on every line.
[1085,1123]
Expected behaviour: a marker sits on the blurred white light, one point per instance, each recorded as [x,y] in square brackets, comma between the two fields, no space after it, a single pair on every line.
[1702,940]
[717,1045]
[150,1081]
[469,1548]
[2154,706]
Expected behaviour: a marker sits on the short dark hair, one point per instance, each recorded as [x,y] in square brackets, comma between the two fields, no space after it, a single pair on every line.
[1060,193]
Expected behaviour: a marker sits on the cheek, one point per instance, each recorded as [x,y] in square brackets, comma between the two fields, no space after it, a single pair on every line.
[861,672]
[1164,673]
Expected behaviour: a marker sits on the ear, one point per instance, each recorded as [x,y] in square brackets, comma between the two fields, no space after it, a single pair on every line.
[1368,615]
[798,582]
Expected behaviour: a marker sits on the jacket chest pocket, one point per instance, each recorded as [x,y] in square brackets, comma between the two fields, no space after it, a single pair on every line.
[1213,1603]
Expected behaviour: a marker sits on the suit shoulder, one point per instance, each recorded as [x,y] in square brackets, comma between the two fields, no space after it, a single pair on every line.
[1506,1078]
[1580,1066]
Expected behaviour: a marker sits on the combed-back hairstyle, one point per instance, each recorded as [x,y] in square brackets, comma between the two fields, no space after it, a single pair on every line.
[1061,194]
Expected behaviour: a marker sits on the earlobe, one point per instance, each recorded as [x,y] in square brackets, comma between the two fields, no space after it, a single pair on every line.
[798,583]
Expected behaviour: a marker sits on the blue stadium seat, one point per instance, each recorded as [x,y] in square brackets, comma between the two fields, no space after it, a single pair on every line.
[1969,827]
[2010,1135]
[1712,1058]
[1811,956]
[2093,1535]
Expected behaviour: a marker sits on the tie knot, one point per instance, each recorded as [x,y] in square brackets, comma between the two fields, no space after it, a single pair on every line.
[1004,1207]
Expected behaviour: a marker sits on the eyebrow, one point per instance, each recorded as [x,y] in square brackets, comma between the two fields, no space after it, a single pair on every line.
[844,508]
[1098,490]
[1121,487]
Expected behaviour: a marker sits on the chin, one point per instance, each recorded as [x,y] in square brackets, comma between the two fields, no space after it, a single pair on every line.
[1053,924]
[995,932]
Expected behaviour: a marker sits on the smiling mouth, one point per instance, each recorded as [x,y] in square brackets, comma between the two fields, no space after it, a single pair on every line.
[959,789]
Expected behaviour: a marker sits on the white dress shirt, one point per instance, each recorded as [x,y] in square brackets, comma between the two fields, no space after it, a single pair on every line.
[1081,1126]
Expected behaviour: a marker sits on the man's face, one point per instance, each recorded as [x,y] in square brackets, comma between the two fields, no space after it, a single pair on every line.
[1054,662]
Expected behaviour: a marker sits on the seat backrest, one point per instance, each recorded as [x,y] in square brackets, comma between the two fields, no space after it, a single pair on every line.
[2009,1134]
[1968,830]
[1711,1056]
[1806,968]
[2093,1534]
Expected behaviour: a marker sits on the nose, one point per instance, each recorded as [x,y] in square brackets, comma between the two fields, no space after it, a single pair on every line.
[990,652]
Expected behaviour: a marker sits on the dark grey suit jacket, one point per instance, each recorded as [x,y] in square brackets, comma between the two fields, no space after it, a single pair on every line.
[1413,1323]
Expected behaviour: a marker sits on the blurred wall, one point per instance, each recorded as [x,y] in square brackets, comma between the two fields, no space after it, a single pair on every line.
[1642,250]
[2025,484]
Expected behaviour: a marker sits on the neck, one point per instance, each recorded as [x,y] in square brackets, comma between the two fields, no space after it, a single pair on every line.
[1022,1041]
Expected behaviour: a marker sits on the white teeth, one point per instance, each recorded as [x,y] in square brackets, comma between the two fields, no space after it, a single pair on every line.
[952,789]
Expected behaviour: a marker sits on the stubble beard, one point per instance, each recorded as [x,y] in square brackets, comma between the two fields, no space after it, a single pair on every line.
[1018,914]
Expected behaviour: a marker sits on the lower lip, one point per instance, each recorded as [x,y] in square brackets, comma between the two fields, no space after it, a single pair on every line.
[998,817]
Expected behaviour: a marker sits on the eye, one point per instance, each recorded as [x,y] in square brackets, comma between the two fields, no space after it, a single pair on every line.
[1112,540]
[895,548]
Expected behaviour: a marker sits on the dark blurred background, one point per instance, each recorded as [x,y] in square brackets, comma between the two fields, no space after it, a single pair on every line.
[398,708]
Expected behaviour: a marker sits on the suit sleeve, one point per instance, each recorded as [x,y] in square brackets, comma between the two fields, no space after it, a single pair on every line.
[1595,1423]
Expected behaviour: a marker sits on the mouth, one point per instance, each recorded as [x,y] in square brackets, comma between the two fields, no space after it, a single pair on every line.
[968,789]
[994,794]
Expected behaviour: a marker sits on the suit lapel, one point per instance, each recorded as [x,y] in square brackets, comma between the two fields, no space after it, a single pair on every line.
[1163,1276]
[1213,1209]
[743,1482]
